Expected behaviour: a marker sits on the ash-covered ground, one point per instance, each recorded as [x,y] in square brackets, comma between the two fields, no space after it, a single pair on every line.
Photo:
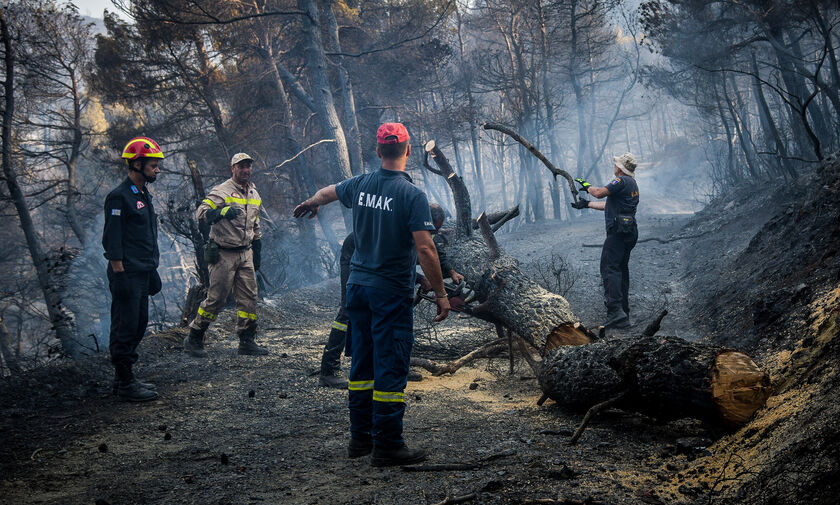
[242,430]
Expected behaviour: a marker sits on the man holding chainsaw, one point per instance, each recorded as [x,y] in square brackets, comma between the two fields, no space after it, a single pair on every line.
[392,226]
[331,358]
[622,195]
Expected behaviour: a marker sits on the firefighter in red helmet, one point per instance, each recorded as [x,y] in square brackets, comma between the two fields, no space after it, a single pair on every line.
[131,247]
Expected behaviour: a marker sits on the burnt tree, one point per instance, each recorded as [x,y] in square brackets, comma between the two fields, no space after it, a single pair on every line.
[506,295]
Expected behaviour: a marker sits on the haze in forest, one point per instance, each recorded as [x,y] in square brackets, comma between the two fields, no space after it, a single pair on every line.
[703,106]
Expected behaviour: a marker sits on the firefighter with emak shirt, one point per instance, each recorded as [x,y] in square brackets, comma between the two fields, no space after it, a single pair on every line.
[392,230]
[232,209]
[331,357]
[130,242]
[622,195]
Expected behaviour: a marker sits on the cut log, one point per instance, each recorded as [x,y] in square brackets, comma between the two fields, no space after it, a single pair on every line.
[663,377]
[739,387]
[544,319]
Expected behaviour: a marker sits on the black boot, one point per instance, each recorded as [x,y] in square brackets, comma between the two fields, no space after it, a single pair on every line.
[332,381]
[359,447]
[617,320]
[194,343]
[116,384]
[128,388]
[247,346]
[134,392]
[396,457]
[331,359]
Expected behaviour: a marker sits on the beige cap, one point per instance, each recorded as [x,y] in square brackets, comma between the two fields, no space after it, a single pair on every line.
[239,157]
[626,163]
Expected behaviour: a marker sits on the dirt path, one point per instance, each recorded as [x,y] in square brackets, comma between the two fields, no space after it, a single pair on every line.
[208,441]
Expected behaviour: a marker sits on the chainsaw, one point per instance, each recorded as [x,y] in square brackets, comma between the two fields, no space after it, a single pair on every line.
[459,295]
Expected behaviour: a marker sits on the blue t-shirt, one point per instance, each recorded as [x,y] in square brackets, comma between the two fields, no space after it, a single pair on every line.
[387,207]
[623,199]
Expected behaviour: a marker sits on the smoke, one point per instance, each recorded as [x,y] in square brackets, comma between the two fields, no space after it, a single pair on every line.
[87,295]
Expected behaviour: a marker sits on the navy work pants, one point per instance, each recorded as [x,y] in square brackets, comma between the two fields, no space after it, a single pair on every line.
[381,336]
[129,318]
[615,272]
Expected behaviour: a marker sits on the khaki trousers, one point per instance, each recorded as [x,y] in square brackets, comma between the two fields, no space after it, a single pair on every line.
[234,270]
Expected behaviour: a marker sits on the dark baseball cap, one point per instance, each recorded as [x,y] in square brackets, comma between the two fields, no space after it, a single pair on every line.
[391,133]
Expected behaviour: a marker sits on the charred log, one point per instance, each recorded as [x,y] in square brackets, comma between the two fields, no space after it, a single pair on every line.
[542,318]
[663,377]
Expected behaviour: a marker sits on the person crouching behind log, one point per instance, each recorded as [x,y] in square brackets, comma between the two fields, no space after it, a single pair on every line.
[622,195]
[392,228]
[331,358]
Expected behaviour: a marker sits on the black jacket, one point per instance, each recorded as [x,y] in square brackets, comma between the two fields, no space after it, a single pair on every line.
[130,231]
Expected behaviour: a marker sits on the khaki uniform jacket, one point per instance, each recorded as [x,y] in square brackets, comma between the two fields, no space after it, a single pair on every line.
[241,231]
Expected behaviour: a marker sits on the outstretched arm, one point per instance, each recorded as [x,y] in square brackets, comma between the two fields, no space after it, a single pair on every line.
[598,192]
[597,205]
[322,197]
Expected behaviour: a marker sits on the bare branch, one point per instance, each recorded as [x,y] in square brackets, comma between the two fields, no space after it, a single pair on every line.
[322,141]
[554,170]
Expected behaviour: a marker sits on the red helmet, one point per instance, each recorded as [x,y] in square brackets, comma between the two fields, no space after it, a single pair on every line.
[141,147]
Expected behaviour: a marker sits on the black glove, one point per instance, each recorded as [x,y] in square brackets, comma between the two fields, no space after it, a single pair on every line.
[155,284]
[581,204]
[583,184]
[227,212]
[256,246]
[120,287]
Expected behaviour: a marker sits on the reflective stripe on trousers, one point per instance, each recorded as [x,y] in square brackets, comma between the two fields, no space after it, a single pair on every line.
[234,270]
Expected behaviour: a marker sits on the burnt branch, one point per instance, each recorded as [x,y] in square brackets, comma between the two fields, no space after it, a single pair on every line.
[654,325]
[498,219]
[484,226]
[590,414]
[429,167]
[490,350]
[512,213]
[556,172]
[463,207]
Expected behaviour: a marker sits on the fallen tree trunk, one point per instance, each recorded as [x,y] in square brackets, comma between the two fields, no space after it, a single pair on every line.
[508,297]
[663,377]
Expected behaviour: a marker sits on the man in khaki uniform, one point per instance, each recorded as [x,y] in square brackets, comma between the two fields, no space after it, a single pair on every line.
[232,209]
